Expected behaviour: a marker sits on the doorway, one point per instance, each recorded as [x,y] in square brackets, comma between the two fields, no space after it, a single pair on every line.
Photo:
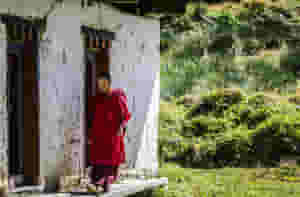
[23,117]
[97,61]
[16,110]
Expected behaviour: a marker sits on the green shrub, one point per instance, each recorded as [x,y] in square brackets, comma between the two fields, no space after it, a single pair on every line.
[247,131]
[195,9]
[234,147]
[174,148]
[250,47]
[248,114]
[179,79]
[203,153]
[202,125]
[278,134]
[290,62]
[257,99]
[216,102]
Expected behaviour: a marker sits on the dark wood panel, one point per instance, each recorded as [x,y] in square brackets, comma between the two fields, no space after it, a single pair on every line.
[15,108]
[31,115]
[102,59]
[96,62]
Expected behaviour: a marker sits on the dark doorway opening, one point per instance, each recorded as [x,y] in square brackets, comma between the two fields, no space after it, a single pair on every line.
[15,108]
[90,83]
[97,61]
[23,116]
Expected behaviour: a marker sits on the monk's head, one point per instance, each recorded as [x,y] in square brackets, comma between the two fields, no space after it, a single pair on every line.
[103,82]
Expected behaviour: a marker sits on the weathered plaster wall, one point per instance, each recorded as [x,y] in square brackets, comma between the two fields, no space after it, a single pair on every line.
[61,83]
[135,62]
[3,100]
[135,66]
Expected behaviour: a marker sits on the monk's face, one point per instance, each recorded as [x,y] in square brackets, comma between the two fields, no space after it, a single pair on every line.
[103,85]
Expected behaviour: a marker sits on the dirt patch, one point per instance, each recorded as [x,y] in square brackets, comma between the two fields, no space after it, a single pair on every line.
[223,5]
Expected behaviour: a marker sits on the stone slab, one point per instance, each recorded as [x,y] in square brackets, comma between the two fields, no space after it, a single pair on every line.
[125,188]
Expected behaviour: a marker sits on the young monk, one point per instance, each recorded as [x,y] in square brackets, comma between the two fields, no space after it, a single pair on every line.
[106,138]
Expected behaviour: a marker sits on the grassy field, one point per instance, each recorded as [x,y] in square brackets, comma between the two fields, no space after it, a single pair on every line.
[225,182]
[187,71]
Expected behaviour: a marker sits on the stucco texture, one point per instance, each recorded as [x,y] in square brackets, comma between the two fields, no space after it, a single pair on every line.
[135,66]
[3,101]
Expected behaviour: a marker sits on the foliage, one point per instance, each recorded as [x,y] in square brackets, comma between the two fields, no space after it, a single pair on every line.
[295,99]
[166,40]
[217,102]
[227,182]
[251,46]
[231,128]
[290,62]
[179,77]
[195,9]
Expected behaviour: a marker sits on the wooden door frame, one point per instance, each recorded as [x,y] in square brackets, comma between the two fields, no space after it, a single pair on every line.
[88,56]
[91,56]
[17,49]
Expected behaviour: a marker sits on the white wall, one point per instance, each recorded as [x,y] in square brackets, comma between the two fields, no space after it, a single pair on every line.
[61,88]
[3,100]
[135,62]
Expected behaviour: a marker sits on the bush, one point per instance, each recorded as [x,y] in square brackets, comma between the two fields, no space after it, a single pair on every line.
[175,148]
[247,131]
[234,148]
[194,9]
[290,62]
[216,102]
[248,115]
[277,135]
[202,125]
[250,47]
[179,78]
[203,153]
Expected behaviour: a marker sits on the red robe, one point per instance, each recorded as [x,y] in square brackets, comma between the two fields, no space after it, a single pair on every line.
[110,112]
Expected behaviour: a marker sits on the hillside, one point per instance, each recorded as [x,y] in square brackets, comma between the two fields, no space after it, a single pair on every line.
[254,46]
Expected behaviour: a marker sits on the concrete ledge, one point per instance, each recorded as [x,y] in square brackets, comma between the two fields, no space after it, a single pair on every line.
[38,188]
[123,189]
[128,187]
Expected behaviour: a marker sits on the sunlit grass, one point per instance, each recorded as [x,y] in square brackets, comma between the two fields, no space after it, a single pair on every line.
[225,182]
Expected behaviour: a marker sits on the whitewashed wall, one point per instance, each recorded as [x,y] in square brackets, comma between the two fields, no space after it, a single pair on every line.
[61,86]
[3,100]
[135,62]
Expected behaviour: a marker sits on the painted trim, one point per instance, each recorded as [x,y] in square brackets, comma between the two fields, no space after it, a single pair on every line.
[101,34]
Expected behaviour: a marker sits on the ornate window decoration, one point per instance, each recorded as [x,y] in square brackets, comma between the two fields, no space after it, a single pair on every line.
[96,39]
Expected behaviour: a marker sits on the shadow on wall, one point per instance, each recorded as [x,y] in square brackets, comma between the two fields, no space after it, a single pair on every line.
[147,148]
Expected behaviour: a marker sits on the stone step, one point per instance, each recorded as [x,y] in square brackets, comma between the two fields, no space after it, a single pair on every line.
[127,187]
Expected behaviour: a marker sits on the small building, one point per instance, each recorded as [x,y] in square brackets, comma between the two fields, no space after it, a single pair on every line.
[50,52]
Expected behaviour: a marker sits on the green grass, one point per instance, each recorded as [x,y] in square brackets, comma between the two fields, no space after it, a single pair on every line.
[227,182]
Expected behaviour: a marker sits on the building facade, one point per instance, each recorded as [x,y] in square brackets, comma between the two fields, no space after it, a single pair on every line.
[47,64]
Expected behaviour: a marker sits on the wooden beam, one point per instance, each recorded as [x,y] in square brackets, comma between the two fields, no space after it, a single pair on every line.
[101,34]
[11,19]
